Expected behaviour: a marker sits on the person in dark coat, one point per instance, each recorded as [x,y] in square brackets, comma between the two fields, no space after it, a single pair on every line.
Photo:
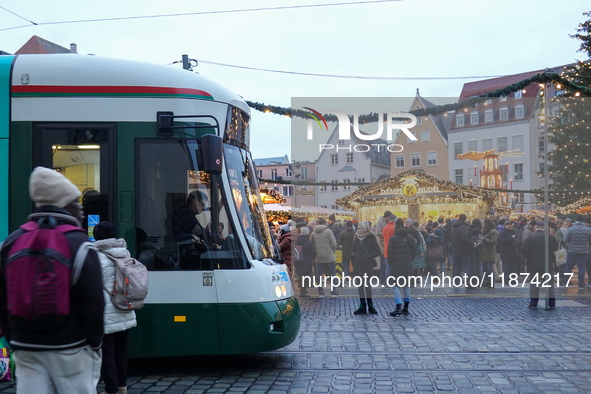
[508,248]
[446,228]
[334,226]
[402,250]
[363,255]
[436,252]
[346,242]
[534,249]
[284,241]
[475,233]
[304,266]
[461,246]
[489,248]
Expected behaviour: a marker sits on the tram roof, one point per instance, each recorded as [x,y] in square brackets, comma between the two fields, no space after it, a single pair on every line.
[88,73]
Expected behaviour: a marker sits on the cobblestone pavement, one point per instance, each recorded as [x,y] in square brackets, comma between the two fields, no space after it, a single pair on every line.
[456,345]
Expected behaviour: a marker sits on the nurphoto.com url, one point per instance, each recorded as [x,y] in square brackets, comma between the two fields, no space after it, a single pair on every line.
[433,282]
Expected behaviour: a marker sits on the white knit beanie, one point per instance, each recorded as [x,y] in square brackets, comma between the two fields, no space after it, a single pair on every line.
[49,187]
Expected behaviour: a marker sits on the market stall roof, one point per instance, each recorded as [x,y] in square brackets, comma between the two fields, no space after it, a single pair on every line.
[355,198]
[581,206]
[271,196]
[316,212]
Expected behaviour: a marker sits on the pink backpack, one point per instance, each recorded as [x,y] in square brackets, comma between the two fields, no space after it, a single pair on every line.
[39,273]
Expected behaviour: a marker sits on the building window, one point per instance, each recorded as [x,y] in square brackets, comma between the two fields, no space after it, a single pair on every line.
[502,98]
[474,118]
[431,158]
[274,173]
[488,116]
[334,159]
[334,186]
[349,157]
[518,172]
[488,102]
[260,173]
[460,120]
[458,149]
[517,143]
[419,120]
[276,188]
[473,146]
[335,207]
[360,180]
[504,114]
[502,144]
[323,206]
[541,148]
[541,167]
[399,161]
[304,172]
[460,176]
[487,144]
[346,187]
[408,140]
[519,112]
[425,136]
[323,187]
[288,172]
[518,94]
[288,191]
[415,160]
[519,197]
[341,142]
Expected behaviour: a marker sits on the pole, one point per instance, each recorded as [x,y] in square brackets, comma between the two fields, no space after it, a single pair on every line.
[546,220]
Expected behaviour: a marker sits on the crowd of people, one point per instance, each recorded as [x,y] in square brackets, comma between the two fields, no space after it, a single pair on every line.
[397,247]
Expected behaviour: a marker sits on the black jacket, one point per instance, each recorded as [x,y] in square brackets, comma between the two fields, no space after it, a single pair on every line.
[304,267]
[364,254]
[346,241]
[461,245]
[402,250]
[534,249]
[508,246]
[84,325]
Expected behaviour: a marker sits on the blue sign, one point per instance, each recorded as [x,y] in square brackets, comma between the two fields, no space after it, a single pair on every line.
[93,220]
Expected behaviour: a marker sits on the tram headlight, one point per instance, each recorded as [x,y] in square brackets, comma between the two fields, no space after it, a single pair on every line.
[283,290]
[278,291]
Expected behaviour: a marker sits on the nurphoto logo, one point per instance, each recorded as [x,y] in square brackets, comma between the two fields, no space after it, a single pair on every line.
[392,122]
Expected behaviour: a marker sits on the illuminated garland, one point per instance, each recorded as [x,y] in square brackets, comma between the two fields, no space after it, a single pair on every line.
[439,109]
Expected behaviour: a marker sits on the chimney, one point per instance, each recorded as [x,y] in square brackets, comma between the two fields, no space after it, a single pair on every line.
[73,48]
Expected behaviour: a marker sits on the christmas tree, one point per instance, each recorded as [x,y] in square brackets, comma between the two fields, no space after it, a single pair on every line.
[569,130]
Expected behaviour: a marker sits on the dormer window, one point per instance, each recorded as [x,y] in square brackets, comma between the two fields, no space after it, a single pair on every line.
[488,115]
[488,102]
[502,98]
[474,118]
[504,114]
[460,120]
[518,94]
[519,112]
[419,120]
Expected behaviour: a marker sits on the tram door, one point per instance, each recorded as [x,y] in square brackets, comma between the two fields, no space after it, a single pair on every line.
[83,153]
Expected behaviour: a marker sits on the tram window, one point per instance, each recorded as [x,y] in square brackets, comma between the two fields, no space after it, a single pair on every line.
[182,210]
[83,155]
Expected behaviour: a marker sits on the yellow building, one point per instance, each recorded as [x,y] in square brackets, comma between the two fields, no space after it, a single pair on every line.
[429,152]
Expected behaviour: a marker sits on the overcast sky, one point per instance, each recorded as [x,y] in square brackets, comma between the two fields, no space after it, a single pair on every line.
[411,38]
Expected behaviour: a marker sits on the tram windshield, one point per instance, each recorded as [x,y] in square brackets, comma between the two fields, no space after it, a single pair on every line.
[182,221]
[251,215]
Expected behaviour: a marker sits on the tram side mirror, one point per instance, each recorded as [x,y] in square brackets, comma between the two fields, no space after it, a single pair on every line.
[164,119]
[212,153]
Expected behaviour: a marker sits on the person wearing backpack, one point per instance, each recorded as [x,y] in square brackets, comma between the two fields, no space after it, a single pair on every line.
[117,321]
[56,349]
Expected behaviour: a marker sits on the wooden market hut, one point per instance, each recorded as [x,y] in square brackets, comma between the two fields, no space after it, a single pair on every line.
[419,196]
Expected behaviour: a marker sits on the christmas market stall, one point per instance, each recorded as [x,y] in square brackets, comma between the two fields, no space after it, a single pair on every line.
[271,196]
[419,196]
[277,213]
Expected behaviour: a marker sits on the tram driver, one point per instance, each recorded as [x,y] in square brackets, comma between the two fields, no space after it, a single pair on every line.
[193,239]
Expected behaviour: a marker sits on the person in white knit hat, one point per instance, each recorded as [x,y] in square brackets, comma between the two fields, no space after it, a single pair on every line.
[64,357]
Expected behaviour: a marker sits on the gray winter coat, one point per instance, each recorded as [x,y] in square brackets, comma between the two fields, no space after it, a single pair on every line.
[324,243]
[578,238]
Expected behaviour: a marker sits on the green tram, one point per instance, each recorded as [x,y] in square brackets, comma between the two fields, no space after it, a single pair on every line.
[139,139]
